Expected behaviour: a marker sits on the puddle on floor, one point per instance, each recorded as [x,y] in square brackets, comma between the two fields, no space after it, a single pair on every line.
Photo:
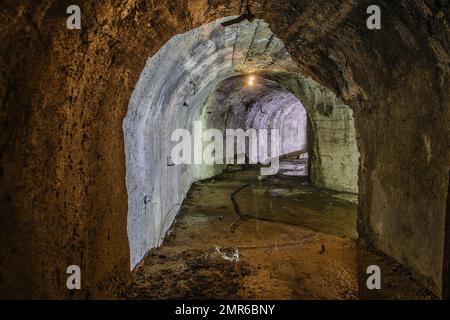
[295,242]
[300,205]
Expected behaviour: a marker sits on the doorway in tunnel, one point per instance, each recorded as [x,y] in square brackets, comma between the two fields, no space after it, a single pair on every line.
[221,230]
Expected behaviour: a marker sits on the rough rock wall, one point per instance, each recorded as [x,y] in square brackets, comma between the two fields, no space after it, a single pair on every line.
[396,80]
[64,94]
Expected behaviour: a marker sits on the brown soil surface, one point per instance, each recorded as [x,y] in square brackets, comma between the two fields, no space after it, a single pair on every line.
[271,252]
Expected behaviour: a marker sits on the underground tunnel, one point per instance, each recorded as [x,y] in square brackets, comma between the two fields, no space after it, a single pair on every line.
[356,122]
[201,83]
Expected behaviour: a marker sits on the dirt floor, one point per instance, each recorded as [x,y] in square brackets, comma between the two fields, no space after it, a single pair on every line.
[240,238]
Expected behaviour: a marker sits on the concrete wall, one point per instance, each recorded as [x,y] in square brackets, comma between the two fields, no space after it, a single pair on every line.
[334,156]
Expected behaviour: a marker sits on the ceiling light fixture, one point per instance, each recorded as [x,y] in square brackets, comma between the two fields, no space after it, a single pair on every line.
[251,81]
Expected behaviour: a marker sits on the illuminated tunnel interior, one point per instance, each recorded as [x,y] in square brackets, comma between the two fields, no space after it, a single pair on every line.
[212,149]
[221,78]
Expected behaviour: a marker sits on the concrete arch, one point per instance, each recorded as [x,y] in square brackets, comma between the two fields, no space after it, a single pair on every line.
[177,87]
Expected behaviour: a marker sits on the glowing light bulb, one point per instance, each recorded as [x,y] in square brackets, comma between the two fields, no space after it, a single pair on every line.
[251,81]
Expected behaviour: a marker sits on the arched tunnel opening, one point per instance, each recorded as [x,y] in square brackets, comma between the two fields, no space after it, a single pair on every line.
[191,200]
[261,149]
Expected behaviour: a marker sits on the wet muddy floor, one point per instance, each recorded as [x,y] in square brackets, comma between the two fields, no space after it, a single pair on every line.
[241,238]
